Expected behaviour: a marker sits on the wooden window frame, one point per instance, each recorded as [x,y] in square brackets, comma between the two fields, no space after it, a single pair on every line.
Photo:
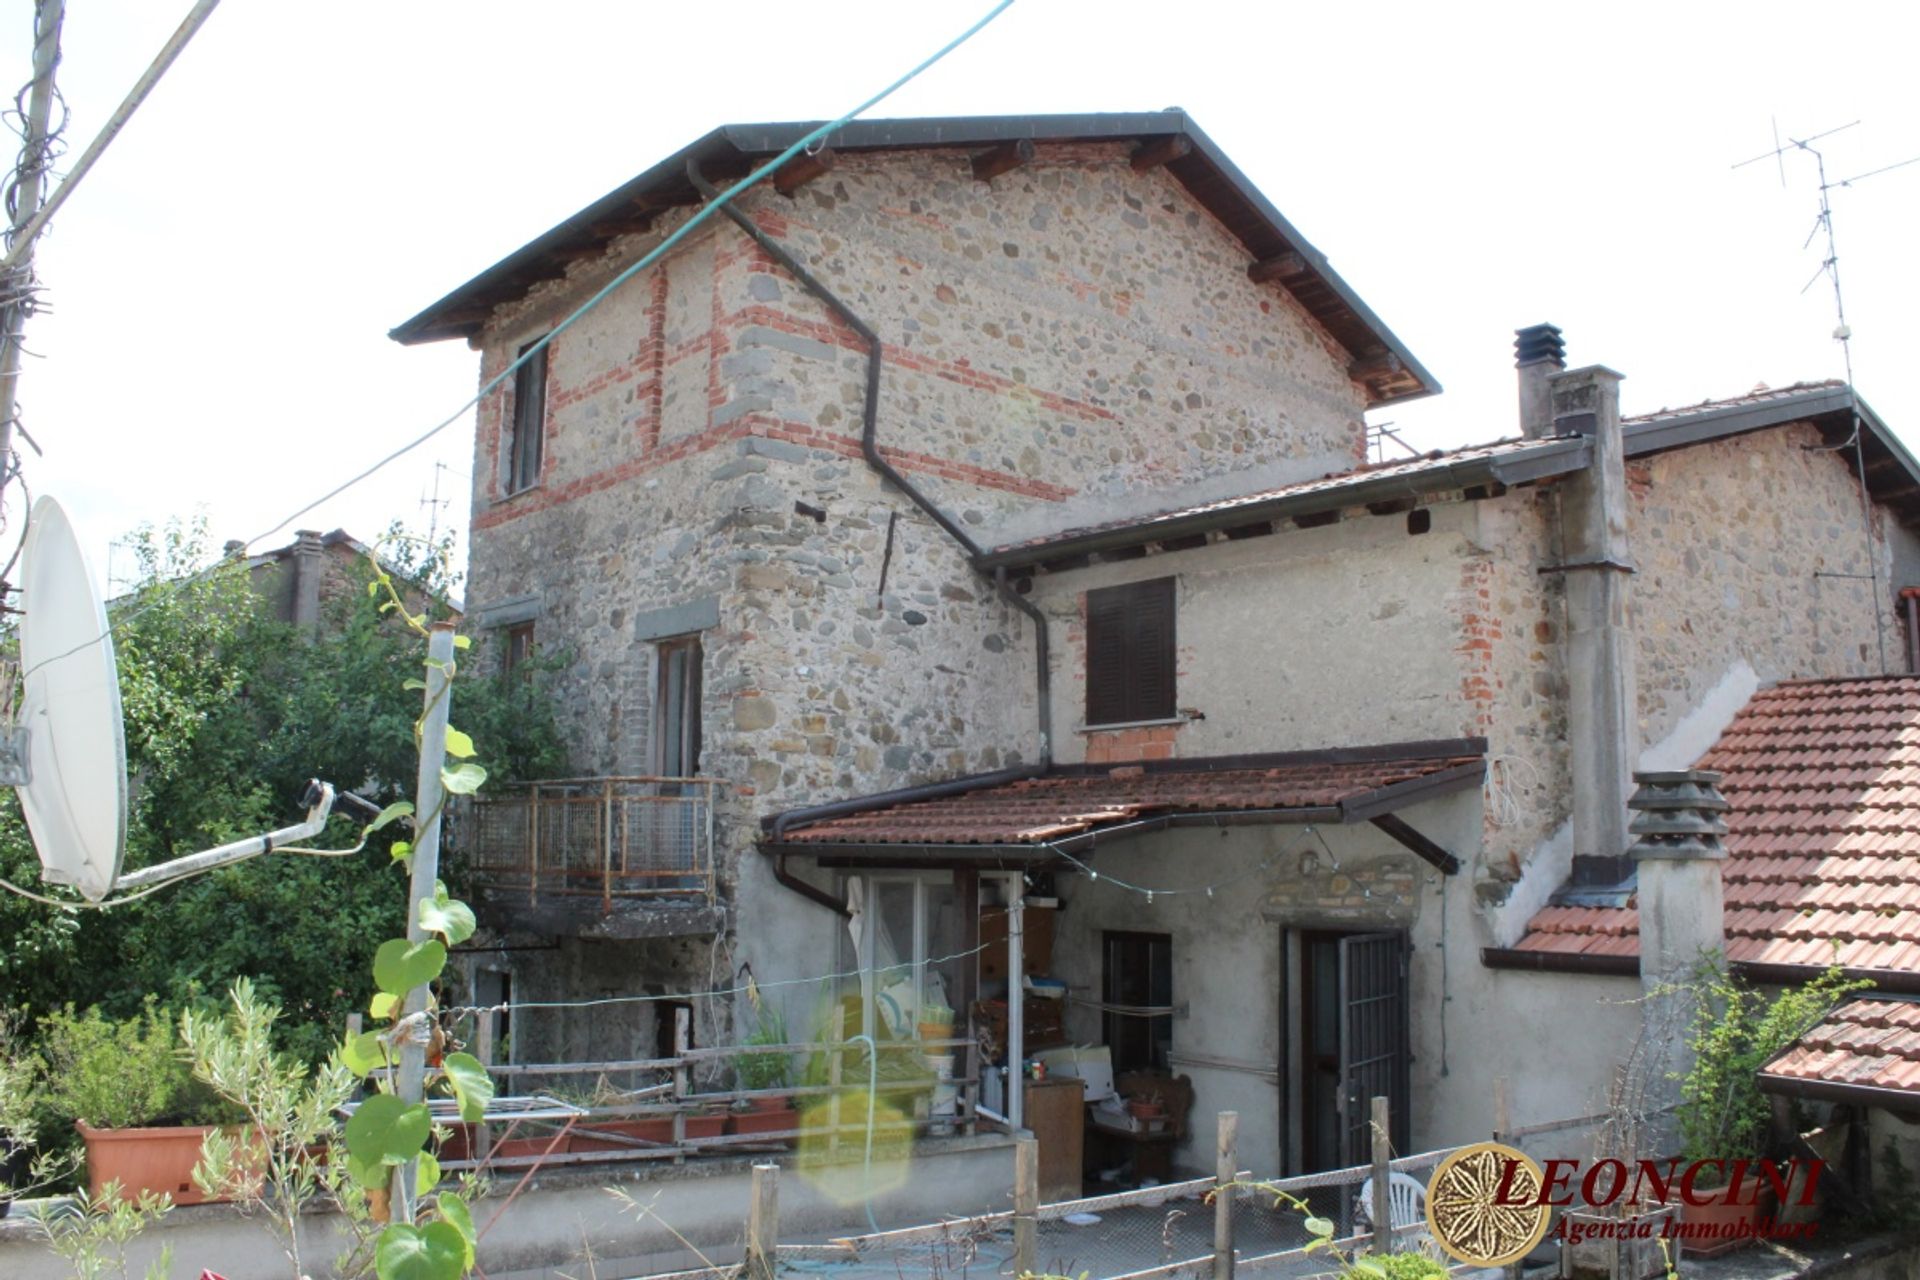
[526,423]
[518,652]
[677,740]
[1131,647]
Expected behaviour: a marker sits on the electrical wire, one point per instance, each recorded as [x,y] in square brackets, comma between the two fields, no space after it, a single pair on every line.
[700,217]
[1092,874]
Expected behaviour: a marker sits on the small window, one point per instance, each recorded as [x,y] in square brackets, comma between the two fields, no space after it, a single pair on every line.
[519,652]
[677,707]
[528,425]
[1130,653]
[1138,975]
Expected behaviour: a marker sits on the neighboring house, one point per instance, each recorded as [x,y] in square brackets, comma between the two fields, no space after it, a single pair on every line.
[987,500]
[297,582]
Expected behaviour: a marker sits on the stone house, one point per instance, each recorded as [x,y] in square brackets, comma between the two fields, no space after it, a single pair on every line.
[982,510]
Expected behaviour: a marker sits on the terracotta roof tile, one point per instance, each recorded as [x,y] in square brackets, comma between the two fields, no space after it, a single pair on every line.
[1058,806]
[1823,840]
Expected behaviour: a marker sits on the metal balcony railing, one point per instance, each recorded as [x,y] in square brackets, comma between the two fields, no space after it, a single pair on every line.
[615,838]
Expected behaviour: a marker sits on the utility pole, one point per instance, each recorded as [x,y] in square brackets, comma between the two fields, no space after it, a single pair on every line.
[29,188]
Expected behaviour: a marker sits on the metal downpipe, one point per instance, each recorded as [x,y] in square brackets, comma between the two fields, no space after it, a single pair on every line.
[870,451]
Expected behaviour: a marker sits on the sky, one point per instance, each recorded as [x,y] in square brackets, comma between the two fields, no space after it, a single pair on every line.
[309,175]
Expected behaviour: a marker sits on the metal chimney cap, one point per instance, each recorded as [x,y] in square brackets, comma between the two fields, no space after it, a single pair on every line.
[1538,342]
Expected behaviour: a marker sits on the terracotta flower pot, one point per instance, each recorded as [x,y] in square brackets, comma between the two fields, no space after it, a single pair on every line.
[159,1160]
[768,1115]
[602,1135]
[1718,1220]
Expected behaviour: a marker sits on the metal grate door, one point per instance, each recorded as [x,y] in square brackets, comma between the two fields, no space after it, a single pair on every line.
[1374,1040]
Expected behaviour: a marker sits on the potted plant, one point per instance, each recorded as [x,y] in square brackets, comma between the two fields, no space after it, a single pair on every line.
[1624,1240]
[936,1021]
[765,1071]
[129,1092]
[1723,1116]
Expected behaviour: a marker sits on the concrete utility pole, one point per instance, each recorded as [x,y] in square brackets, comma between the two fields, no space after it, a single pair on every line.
[29,186]
[31,206]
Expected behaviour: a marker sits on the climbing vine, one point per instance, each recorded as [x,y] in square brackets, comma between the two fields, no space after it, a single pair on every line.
[386,1131]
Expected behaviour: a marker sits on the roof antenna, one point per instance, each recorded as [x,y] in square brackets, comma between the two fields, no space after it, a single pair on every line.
[1842,332]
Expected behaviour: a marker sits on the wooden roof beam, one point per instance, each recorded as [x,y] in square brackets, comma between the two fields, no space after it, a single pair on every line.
[1161,151]
[1004,158]
[1279,267]
[802,169]
[1376,364]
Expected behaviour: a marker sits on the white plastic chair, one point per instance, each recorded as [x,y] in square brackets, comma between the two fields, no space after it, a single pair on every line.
[1406,1201]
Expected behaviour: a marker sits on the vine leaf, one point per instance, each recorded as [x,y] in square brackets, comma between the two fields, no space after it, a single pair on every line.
[383,1005]
[371,1174]
[401,850]
[1318,1227]
[436,1251]
[361,1054]
[463,779]
[399,966]
[463,642]
[387,1130]
[426,1175]
[471,1085]
[446,916]
[398,809]
[459,745]
[454,1210]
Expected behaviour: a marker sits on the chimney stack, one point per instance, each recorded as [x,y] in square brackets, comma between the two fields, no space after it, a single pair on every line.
[1603,739]
[1539,353]
[1677,817]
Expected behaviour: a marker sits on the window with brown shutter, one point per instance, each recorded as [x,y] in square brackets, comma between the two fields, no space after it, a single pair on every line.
[1130,653]
[529,421]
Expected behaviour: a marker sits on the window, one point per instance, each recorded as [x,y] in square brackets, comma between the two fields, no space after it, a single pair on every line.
[1130,653]
[519,651]
[677,707]
[1138,974]
[905,951]
[528,426]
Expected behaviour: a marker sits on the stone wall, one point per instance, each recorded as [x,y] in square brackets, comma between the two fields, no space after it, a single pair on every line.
[1747,550]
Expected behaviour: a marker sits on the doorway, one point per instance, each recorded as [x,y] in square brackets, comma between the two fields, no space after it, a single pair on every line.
[1345,1014]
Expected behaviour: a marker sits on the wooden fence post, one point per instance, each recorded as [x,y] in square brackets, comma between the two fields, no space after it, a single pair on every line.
[763,1223]
[480,1146]
[836,1065]
[1381,1210]
[1026,1202]
[682,1041]
[1226,1171]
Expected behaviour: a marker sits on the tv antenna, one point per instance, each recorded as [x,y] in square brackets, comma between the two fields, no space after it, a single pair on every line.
[66,751]
[434,503]
[1823,222]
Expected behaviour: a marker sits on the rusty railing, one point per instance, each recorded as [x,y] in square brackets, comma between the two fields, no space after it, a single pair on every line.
[629,837]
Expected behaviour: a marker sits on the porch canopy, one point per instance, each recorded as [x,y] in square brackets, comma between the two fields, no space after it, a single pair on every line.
[1018,819]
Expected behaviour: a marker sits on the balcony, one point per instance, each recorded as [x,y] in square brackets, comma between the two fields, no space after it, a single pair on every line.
[626,857]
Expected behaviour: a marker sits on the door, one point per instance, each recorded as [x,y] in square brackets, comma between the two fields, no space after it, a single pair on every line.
[1374,1040]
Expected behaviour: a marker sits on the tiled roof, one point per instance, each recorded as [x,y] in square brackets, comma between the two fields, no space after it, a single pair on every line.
[1761,394]
[1427,467]
[1823,843]
[1865,1043]
[1058,807]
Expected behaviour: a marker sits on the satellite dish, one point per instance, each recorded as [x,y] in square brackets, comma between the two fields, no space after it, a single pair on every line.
[67,754]
[75,789]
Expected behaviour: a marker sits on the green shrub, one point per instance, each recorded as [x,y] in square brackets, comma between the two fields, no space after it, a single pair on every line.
[121,1074]
[1737,1029]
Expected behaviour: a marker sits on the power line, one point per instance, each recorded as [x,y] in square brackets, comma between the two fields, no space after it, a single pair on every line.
[699,217]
